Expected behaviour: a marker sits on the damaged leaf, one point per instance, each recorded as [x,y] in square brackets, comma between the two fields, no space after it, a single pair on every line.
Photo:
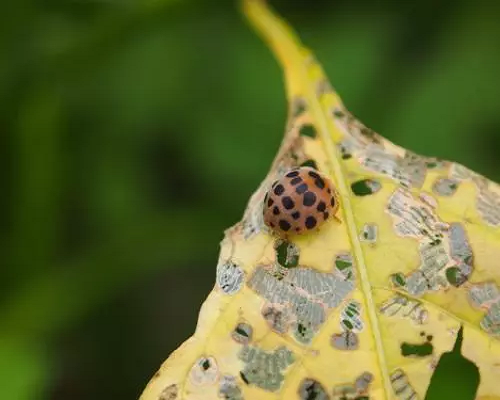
[365,306]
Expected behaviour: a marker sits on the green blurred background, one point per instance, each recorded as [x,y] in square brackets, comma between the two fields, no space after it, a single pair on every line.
[124,123]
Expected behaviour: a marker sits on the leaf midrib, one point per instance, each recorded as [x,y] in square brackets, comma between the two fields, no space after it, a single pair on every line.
[277,35]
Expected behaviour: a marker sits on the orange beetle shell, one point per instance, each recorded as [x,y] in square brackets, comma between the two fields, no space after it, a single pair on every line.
[299,202]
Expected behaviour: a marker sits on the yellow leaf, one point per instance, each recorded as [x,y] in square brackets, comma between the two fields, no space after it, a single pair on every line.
[365,305]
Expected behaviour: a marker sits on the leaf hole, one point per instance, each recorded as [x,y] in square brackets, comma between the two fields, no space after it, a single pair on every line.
[455,376]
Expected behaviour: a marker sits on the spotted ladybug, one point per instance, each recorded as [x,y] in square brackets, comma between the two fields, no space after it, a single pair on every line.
[299,202]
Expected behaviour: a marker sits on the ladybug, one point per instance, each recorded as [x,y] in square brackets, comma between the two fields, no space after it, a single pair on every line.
[299,202]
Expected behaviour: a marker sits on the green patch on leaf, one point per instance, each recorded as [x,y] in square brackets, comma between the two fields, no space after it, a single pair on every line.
[365,187]
[287,254]
[417,350]
[308,130]
[398,279]
[309,163]
[347,324]
[455,276]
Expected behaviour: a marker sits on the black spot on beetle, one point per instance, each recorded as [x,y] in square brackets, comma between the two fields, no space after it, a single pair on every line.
[309,199]
[310,222]
[301,188]
[205,365]
[319,183]
[278,190]
[296,181]
[284,225]
[288,203]
[276,210]
[296,215]
[313,174]
[270,202]
[332,201]
[326,215]
[292,174]
[321,206]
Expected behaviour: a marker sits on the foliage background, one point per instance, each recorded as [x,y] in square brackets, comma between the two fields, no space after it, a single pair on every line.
[133,133]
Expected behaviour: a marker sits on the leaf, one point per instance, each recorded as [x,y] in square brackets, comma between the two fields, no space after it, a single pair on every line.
[365,306]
